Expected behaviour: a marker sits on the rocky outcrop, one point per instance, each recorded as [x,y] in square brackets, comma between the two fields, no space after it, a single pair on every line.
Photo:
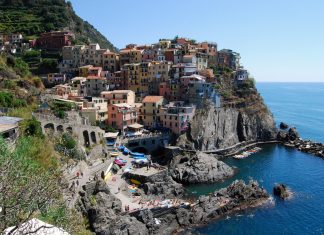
[199,168]
[281,191]
[283,126]
[291,138]
[237,196]
[216,128]
[163,186]
[103,210]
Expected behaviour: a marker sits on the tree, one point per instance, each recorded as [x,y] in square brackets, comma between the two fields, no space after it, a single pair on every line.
[48,66]
[26,188]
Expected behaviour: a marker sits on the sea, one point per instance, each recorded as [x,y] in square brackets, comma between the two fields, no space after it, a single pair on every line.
[300,105]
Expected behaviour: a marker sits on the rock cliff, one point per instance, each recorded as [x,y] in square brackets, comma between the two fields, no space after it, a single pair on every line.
[217,128]
[199,168]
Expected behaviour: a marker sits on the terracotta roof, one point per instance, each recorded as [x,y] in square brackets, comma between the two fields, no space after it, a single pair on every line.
[95,68]
[95,77]
[152,99]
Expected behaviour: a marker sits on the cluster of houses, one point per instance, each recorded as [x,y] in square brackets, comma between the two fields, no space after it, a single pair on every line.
[157,85]
[15,43]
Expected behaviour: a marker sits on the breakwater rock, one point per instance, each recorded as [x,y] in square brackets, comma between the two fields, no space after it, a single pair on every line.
[198,168]
[105,216]
[291,138]
[281,191]
[217,128]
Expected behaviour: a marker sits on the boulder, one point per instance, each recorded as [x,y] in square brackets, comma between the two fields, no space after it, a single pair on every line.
[281,191]
[293,134]
[199,168]
[283,126]
[163,186]
[282,136]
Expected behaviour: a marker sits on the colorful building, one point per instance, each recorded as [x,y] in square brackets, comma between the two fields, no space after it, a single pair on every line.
[150,110]
[95,109]
[95,85]
[122,115]
[118,96]
[176,116]
[55,40]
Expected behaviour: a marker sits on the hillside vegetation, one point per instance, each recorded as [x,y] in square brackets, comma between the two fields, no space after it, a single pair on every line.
[33,17]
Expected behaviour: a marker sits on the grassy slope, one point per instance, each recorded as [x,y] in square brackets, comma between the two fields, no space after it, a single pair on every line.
[32,17]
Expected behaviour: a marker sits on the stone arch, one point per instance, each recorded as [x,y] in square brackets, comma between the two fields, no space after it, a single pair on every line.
[93,137]
[60,128]
[86,138]
[69,129]
[49,128]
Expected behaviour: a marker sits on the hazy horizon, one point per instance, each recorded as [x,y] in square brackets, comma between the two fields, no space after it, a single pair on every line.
[279,41]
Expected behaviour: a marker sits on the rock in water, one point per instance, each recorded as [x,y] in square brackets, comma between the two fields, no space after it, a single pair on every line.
[293,134]
[199,168]
[283,126]
[281,191]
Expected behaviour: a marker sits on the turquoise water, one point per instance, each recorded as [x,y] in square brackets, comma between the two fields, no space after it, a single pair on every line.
[301,105]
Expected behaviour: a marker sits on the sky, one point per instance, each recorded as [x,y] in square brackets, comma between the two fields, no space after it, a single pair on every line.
[279,40]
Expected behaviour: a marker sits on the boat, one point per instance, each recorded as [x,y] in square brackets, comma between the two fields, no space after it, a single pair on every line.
[134,181]
[114,154]
[136,154]
[140,157]
[125,151]
[141,160]
[247,153]
[108,173]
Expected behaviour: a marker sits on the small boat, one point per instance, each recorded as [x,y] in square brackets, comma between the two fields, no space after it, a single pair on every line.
[134,181]
[140,157]
[121,147]
[136,154]
[125,151]
[114,154]
[142,160]
[120,159]
[247,153]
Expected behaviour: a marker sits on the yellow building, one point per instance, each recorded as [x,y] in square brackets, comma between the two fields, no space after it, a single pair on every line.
[110,61]
[150,110]
[84,70]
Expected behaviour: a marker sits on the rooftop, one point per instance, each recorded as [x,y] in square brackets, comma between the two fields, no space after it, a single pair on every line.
[10,120]
[152,99]
[116,91]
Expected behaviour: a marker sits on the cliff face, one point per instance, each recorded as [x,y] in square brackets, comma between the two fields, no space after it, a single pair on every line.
[217,128]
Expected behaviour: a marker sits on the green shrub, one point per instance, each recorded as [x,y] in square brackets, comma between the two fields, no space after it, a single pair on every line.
[7,100]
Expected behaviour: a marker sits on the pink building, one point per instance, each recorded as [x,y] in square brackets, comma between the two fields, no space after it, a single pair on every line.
[122,115]
[176,116]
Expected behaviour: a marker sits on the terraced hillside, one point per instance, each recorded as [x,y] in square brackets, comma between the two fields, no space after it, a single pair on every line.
[32,17]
